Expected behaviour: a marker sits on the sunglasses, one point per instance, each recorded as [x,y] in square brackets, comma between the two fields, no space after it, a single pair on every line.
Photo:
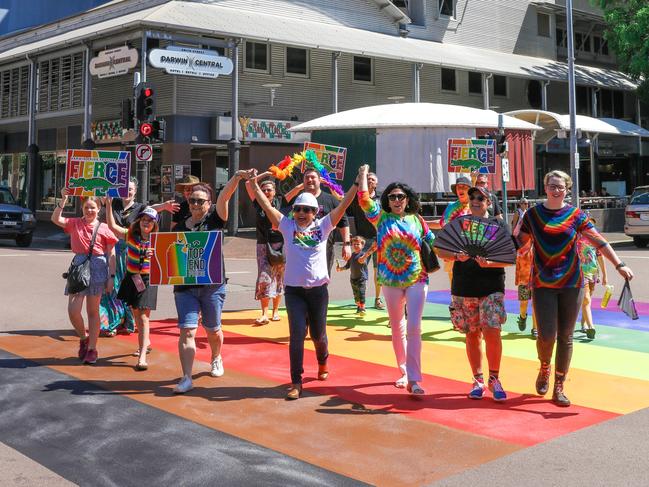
[477,197]
[397,196]
[197,201]
[303,209]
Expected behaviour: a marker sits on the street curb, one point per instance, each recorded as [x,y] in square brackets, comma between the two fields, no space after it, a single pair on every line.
[621,243]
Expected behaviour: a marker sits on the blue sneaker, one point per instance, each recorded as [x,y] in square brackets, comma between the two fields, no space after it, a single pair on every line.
[497,391]
[478,390]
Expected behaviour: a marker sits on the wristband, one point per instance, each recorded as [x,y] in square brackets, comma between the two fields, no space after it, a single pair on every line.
[621,264]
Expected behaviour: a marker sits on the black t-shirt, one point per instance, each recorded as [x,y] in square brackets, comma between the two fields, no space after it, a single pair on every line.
[472,281]
[211,221]
[326,203]
[363,226]
[182,214]
[263,224]
[123,217]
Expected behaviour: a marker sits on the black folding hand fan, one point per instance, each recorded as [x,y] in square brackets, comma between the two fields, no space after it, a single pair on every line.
[477,236]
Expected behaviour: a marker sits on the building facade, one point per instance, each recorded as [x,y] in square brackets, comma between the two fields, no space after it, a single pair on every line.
[295,61]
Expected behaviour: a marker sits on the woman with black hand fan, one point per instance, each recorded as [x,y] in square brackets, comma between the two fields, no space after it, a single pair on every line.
[478,292]
[557,283]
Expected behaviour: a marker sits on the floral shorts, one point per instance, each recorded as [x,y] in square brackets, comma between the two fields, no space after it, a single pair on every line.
[524,292]
[471,314]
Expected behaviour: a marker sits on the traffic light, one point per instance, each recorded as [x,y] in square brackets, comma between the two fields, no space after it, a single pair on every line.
[146,129]
[159,130]
[145,102]
[127,114]
[501,144]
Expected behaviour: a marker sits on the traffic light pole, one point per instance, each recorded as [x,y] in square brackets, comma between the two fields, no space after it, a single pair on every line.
[501,131]
[574,151]
[234,145]
[142,168]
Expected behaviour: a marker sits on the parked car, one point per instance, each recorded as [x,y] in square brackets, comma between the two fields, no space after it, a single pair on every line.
[16,222]
[636,217]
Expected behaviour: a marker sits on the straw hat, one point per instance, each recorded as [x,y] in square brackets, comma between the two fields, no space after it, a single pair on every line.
[187,181]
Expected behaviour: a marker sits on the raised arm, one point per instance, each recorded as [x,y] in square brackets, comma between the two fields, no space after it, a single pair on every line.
[228,190]
[274,215]
[337,213]
[56,217]
[294,192]
[171,206]
[119,231]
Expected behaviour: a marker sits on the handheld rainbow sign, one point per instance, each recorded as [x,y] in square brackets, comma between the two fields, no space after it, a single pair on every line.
[186,258]
[331,157]
[472,155]
[98,173]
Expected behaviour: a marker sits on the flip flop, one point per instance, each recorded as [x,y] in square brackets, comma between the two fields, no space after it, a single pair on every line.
[275,318]
[137,352]
[262,320]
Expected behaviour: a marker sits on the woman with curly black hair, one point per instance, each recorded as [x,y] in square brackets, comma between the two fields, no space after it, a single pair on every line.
[400,233]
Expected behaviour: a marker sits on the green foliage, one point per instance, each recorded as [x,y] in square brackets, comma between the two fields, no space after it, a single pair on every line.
[627,33]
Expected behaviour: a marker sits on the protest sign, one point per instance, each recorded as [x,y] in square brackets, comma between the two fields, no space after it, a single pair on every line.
[331,157]
[98,173]
[472,155]
[186,258]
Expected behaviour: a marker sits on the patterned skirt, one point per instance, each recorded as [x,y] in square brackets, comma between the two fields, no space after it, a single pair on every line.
[270,278]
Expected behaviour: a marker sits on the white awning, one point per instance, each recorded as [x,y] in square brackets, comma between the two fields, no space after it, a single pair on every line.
[402,115]
[217,20]
[552,122]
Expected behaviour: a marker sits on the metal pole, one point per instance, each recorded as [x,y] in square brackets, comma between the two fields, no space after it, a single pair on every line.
[574,154]
[142,168]
[501,131]
[416,83]
[88,143]
[334,81]
[234,146]
[544,95]
[32,148]
[639,122]
[593,163]
[485,90]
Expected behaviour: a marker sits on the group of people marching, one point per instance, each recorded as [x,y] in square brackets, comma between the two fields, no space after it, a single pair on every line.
[295,257]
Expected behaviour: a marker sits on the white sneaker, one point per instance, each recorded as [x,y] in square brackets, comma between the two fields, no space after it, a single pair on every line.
[185,385]
[217,367]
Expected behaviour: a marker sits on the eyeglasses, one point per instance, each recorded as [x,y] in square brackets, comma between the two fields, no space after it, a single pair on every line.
[267,189]
[478,197]
[303,209]
[197,201]
[397,196]
[554,187]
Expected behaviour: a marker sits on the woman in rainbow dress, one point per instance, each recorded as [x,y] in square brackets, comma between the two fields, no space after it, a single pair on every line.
[557,284]
[400,232]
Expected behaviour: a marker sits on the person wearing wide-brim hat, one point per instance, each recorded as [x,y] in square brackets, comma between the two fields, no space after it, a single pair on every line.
[185,187]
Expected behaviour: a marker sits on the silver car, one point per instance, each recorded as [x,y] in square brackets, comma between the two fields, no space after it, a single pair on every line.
[636,217]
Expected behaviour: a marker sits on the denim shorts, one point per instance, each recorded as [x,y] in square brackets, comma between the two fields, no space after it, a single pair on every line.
[206,300]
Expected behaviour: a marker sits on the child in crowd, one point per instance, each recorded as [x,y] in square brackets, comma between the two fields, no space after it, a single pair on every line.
[592,264]
[524,259]
[357,264]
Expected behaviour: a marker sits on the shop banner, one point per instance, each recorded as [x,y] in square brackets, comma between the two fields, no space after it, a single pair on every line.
[98,173]
[472,155]
[187,258]
[331,157]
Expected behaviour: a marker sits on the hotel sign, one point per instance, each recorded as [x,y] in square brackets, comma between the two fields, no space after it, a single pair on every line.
[113,62]
[188,61]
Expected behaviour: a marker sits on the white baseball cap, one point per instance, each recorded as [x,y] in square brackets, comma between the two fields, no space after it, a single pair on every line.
[306,199]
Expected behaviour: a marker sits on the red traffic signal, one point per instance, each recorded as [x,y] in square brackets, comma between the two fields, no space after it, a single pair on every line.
[145,102]
[146,129]
[148,92]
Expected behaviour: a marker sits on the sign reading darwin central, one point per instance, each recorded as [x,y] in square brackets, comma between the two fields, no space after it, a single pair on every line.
[188,61]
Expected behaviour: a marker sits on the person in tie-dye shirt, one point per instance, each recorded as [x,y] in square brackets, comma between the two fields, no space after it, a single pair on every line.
[400,232]
[557,284]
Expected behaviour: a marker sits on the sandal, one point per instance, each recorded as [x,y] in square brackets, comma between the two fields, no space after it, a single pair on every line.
[262,320]
[137,352]
[141,366]
[275,317]
[402,382]
[415,390]
[107,333]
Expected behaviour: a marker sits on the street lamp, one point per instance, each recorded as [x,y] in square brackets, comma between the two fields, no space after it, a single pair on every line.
[574,155]
[273,87]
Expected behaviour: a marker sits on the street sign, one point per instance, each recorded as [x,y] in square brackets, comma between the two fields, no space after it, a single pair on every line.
[187,61]
[143,153]
[505,167]
[113,62]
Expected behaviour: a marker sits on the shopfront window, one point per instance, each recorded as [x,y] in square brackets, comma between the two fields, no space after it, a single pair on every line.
[6,163]
[52,180]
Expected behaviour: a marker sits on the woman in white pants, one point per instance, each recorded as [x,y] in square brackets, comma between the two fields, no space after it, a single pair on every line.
[400,232]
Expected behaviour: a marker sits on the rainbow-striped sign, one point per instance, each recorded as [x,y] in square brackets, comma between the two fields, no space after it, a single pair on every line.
[98,173]
[187,258]
[472,155]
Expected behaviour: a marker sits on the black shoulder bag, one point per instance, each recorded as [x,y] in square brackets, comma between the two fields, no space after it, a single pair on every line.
[78,275]
[428,255]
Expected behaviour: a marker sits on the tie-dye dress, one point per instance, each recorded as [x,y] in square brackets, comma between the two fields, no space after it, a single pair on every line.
[399,244]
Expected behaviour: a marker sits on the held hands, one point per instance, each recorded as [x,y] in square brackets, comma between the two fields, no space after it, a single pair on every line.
[347,252]
[246,174]
[362,258]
